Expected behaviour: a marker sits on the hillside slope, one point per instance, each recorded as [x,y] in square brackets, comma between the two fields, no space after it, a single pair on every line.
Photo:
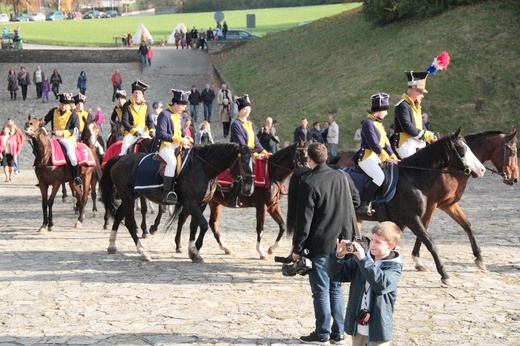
[335,64]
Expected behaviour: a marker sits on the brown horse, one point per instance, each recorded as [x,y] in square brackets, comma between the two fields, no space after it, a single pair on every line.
[265,200]
[89,136]
[50,175]
[499,148]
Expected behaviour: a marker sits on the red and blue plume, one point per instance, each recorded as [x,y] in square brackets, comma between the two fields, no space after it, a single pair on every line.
[439,63]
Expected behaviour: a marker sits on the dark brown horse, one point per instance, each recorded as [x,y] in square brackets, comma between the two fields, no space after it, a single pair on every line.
[90,136]
[265,200]
[192,188]
[498,147]
[417,176]
[50,175]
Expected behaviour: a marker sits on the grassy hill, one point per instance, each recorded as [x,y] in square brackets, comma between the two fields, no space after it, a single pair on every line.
[335,64]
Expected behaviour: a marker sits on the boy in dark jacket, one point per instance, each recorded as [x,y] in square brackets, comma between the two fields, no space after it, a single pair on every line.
[373,288]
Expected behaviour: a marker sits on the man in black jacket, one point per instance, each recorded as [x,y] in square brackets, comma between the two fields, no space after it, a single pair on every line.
[302,132]
[207,97]
[325,214]
[194,99]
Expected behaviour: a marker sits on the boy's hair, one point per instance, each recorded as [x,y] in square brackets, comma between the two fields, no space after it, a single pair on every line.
[317,152]
[389,231]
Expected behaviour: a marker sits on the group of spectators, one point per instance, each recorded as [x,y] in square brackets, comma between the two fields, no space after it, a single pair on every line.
[198,39]
[328,136]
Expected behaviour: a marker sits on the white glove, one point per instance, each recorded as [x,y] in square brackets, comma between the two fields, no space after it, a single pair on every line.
[139,131]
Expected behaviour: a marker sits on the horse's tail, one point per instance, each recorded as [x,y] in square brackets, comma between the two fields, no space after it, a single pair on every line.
[292,198]
[107,187]
[175,215]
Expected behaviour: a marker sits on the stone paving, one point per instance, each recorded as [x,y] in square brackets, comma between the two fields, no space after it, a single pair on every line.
[62,288]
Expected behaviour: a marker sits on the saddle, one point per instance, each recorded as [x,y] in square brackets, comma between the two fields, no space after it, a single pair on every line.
[115,149]
[384,194]
[59,157]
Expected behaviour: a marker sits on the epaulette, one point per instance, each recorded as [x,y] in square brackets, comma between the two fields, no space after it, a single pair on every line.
[398,103]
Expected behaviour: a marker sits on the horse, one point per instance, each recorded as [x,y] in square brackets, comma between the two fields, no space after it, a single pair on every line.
[496,146]
[417,176]
[50,175]
[192,188]
[90,136]
[265,200]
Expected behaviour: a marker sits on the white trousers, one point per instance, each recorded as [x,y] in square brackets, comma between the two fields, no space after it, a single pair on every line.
[69,147]
[371,167]
[410,147]
[168,154]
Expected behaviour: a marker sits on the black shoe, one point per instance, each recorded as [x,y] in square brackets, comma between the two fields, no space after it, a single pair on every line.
[337,340]
[234,202]
[365,208]
[78,181]
[170,198]
[313,338]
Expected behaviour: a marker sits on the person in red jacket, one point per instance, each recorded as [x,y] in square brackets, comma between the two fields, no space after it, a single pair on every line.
[117,81]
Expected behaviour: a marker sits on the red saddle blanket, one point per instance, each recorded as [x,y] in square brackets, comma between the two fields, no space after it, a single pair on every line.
[113,150]
[260,169]
[83,154]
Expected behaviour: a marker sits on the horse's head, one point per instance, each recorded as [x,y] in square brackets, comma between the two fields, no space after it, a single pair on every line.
[90,133]
[300,156]
[243,172]
[464,159]
[34,126]
[508,165]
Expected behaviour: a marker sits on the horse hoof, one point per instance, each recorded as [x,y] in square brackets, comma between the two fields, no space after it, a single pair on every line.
[153,229]
[270,251]
[145,235]
[42,229]
[145,256]
[178,250]
[95,215]
[51,228]
[112,250]
[446,282]
[78,224]
[105,227]
[480,264]
[421,267]
[264,257]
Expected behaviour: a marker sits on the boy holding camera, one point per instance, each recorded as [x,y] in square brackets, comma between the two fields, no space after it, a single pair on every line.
[373,288]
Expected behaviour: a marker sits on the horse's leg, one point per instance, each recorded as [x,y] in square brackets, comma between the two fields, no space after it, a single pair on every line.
[120,214]
[144,210]
[276,215]
[426,219]
[161,210]
[418,229]
[131,225]
[44,190]
[64,192]
[182,220]
[93,195]
[80,192]
[151,206]
[50,203]
[195,246]
[458,215]
[260,220]
[216,211]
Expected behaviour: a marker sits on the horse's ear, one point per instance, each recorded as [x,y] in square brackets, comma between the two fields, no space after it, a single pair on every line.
[457,133]
[42,121]
[29,117]
[512,133]
[95,120]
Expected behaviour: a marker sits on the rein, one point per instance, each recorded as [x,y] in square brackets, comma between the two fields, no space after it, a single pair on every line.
[434,169]
[240,165]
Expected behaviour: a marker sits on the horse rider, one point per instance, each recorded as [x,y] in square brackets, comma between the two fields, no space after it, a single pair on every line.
[375,148]
[168,137]
[117,113]
[136,120]
[65,127]
[410,135]
[83,115]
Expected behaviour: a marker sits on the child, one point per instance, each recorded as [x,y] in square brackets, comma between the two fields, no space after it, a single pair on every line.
[204,134]
[373,287]
[46,87]
[149,55]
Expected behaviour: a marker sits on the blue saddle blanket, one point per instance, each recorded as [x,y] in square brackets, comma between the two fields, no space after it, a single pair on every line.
[387,190]
[148,177]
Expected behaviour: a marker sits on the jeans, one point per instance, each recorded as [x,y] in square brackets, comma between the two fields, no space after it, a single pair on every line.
[194,111]
[38,90]
[327,296]
[332,147]
[144,58]
[207,111]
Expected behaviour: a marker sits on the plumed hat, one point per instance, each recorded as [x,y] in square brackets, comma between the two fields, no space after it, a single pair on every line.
[65,98]
[180,96]
[379,102]
[121,94]
[138,85]
[79,98]
[417,80]
[243,101]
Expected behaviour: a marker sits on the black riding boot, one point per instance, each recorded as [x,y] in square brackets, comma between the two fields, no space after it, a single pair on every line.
[368,192]
[14,94]
[170,197]
[75,173]
[234,201]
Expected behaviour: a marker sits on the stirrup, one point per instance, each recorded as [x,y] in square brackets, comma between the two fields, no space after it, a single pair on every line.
[366,209]
[170,198]
[78,181]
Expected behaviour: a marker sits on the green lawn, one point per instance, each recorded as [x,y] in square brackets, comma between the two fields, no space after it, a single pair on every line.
[99,32]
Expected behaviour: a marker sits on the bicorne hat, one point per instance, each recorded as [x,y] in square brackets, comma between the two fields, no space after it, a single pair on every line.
[180,96]
[243,101]
[138,85]
[380,102]
[79,98]
[65,98]
[417,80]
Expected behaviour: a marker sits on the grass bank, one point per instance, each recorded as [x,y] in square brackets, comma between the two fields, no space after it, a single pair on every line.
[333,66]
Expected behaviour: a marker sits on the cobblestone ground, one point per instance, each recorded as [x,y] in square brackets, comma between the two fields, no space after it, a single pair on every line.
[63,288]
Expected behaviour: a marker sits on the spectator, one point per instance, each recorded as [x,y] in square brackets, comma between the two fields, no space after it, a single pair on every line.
[12,83]
[8,151]
[18,39]
[46,87]
[194,100]
[225,116]
[82,82]
[23,80]
[188,129]
[333,136]
[325,133]
[178,37]
[224,93]
[194,38]
[390,134]
[426,122]
[274,131]
[117,81]
[100,119]
[210,36]
[316,132]
[266,137]
[129,40]
[357,137]
[202,39]
[55,83]
[15,130]
[150,55]
[143,51]
[204,134]
[123,39]
[188,39]
[207,96]
[302,132]
[225,30]
[38,77]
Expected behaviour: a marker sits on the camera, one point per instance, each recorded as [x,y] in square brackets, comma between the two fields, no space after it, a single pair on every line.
[300,267]
[363,241]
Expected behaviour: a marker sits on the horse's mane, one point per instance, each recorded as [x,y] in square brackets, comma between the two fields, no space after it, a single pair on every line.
[216,150]
[281,154]
[430,156]
[480,136]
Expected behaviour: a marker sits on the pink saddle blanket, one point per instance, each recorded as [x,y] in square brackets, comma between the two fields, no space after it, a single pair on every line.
[83,154]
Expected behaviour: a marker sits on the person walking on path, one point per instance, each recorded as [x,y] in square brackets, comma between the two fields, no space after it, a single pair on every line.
[82,82]
[149,55]
[223,93]
[55,83]
[225,116]
[46,87]
[20,137]
[194,100]
[143,51]
[207,96]
[225,30]
[23,80]
[12,83]
[8,151]
[117,81]
[38,77]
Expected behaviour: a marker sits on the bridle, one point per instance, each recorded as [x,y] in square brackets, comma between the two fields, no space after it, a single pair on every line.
[466,170]
[506,145]
[242,175]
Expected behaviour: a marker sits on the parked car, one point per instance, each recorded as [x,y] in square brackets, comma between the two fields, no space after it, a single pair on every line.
[37,17]
[92,14]
[4,18]
[57,15]
[238,34]
[23,17]
[110,14]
